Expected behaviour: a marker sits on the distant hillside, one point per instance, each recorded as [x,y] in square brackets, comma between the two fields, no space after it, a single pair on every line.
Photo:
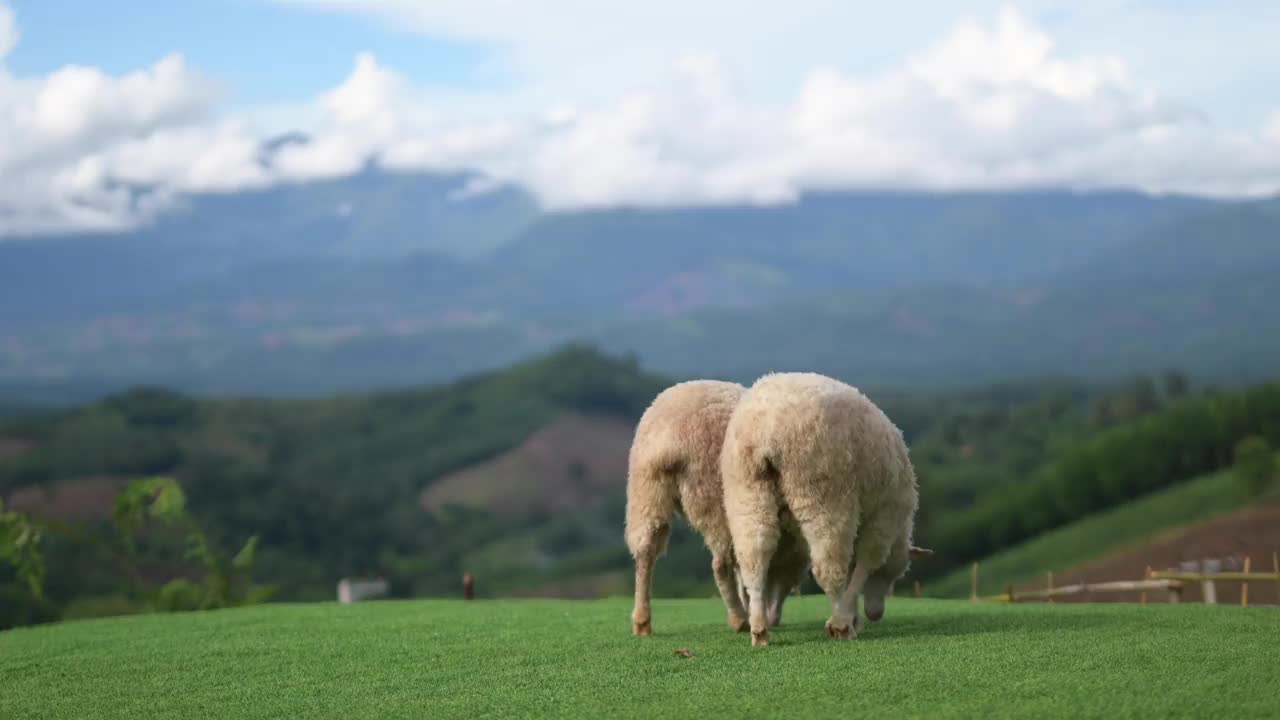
[1219,242]
[369,216]
[565,466]
[1164,447]
[1127,528]
[1221,329]
[657,262]
[515,475]
[389,279]
[331,484]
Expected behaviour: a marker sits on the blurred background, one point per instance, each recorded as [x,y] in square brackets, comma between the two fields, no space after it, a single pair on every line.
[302,290]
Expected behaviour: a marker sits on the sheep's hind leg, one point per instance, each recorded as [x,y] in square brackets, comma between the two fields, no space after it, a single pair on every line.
[830,542]
[727,581]
[646,555]
[777,594]
[845,622]
[880,583]
[753,521]
[754,558]
[650,504]
[870,557]
[785,573]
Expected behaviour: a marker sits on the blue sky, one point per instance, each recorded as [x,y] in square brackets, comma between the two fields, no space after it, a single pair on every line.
[595,103]
[261,51]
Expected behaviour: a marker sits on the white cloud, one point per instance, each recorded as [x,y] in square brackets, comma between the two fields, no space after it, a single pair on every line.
[989,106]
[365,99]
[83,104]
[570,46]
[202,158]
[994,102]
[75,139]
[62,130]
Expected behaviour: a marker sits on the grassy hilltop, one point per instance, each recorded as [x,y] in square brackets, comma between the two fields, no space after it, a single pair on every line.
[556,658]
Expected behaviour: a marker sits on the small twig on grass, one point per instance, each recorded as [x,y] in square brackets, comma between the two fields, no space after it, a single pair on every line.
[683,652]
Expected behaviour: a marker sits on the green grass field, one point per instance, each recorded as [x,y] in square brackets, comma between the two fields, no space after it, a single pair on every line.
[545,658]
[1097,535]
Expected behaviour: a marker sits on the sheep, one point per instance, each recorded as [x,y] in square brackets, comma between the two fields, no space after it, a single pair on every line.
[811,460]
[674,466]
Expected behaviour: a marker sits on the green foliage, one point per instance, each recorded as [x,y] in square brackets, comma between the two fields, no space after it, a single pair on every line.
[94,440]
[225,581]
[20,547]
[18,606]
[141,504]
[1192,437]
[180,595]
[157,498]
[1255,464]
[1098,534]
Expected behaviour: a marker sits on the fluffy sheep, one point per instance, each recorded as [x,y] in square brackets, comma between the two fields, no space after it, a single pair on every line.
[674,466]
[809,459]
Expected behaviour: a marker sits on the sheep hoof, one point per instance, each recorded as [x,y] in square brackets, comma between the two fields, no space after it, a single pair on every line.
[739,624]
[837,632]
[642,629]
[759,639]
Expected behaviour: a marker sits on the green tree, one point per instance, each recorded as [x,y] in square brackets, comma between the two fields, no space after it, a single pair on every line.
[226,579]
[20,547]
[1255,464]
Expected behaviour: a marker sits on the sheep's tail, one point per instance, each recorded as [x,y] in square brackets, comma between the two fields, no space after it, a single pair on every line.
[762,465]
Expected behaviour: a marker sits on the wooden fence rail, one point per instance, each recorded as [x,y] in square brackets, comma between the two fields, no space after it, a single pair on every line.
[1173,586]
[1201,577]
[1171,581]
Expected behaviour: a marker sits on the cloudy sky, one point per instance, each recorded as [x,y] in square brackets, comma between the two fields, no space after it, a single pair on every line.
[109,110]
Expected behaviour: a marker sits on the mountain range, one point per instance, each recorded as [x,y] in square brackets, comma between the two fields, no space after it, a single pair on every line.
[382,278]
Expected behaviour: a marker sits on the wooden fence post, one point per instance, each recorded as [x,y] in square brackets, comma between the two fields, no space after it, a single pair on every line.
[1050,588]
[917,588]
[1175,594]
[1244,586]
[1207,586]
[1209,589]
[973,582]
[468,587]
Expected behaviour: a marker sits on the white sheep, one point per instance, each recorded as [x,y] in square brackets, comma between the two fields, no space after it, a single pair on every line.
[809,459]
[674,466]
